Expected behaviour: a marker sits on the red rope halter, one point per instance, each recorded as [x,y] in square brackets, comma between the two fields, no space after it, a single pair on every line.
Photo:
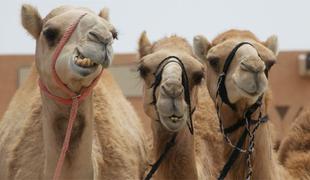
[73,101]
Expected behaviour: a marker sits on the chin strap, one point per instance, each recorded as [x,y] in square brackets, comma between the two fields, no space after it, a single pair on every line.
[75,98]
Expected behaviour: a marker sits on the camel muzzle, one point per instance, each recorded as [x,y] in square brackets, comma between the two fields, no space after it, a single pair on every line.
[96,53]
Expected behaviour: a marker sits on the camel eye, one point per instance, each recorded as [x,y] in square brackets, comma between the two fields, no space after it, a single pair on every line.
[51,35]
[197,77]
[115,34]
[214,62]
[143,70]
[269,64]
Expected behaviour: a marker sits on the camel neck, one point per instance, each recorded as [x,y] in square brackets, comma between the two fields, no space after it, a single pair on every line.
[263,163]
[179,162]
[55,118]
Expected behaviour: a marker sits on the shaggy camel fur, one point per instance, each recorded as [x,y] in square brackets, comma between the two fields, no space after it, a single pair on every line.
[195,156]
[294,150]
[107,140]
[245,82]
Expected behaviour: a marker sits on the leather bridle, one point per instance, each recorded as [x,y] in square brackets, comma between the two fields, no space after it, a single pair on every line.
[245,122]
[187,98]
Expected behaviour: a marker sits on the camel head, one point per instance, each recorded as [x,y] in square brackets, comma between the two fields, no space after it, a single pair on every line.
[88,50]
[165,94]
[246,78]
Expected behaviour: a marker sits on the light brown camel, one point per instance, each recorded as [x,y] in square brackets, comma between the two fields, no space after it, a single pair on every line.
[195,156]
[107,140]
[245,82]
[294,151]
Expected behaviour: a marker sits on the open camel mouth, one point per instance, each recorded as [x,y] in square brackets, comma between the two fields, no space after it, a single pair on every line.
[84,66]
[175,118]
[83,62]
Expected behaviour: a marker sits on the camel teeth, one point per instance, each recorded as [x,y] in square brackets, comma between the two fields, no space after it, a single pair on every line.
[79,61]
[173,118]
[85,62]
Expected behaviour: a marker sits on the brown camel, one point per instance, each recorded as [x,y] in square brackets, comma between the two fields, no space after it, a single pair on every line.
[107,140]
[294,150]
[170,97]
[246,80]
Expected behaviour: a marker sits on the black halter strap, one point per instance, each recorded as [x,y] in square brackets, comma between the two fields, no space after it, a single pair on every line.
[248,113]
[187,98]
[221,81]
[156,165]
[245,122]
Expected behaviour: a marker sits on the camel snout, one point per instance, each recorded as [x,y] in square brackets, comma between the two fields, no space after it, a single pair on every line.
[97,53]
[253,65]
[102,38]
[172,88]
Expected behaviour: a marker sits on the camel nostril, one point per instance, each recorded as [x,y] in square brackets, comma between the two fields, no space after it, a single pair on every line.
[99,38]
[252,66]
[173,90]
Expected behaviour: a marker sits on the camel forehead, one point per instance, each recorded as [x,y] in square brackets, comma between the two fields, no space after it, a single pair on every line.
[224,48]
[64,9]
[174,43]
[234,34]
[190,62]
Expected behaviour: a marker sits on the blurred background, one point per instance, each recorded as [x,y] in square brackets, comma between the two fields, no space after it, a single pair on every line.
[289,78]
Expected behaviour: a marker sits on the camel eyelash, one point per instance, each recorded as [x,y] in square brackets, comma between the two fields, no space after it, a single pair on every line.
[143,70]
[269,64]
[197,77]
[51,35]
[114,34]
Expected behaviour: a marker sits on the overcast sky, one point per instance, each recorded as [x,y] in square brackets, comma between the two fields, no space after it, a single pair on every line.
[286,18]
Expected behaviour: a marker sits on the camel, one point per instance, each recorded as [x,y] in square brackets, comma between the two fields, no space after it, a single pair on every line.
[107,140]
[294,150]
[246,82]
[170,98]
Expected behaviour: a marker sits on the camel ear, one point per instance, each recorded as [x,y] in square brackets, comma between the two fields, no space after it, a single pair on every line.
[31,20]
[145,46]
[201,47]
[272,44]
[104,13]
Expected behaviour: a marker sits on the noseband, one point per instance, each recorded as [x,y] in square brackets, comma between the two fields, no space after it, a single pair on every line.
[187,98]
[245,122]
[75,98]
